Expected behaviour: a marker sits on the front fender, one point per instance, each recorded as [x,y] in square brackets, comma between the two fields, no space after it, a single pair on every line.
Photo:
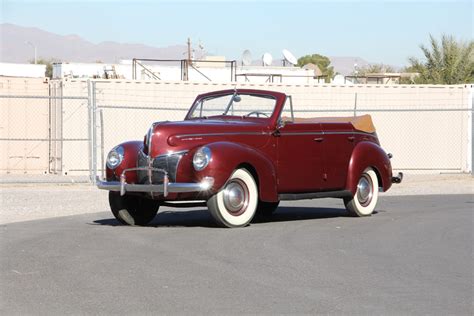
[364,155]
[130,156]
[228,156]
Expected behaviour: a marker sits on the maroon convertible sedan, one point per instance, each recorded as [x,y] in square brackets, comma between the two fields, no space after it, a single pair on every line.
[243,151]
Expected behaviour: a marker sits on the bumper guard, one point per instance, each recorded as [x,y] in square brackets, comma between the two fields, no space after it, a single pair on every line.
[398,178]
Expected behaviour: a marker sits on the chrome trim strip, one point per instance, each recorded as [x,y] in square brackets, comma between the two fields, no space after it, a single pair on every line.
[300,133]
[181,153]
[268,133]
[325,133]
[223,134]
[354,133]
[150,140]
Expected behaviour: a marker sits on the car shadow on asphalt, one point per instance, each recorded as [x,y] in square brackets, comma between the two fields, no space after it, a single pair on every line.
[294,213]
[202,218]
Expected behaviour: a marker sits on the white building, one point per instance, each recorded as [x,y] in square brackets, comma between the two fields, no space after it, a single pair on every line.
[179,70]
[22,70]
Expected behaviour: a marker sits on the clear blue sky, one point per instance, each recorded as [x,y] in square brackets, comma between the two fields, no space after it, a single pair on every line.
[378,31]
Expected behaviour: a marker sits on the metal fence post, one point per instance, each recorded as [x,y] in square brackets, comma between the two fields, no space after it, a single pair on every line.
[61,130]
[102,153]
[470,106]
[94,132]
[355,104]
[89,127]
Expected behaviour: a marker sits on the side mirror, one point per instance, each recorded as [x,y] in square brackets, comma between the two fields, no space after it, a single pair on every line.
[281,123]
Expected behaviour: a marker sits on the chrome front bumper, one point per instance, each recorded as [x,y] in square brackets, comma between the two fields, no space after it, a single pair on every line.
[165,188]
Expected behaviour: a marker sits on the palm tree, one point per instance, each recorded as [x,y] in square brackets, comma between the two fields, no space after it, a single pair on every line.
[448,62]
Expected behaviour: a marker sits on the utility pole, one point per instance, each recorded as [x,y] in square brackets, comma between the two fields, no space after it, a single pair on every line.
[34,46]
[188,61]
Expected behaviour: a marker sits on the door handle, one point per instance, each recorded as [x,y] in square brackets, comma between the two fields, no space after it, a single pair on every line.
[351,138]
[318,139]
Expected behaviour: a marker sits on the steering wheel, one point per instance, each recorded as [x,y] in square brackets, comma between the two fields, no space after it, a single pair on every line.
[257,114]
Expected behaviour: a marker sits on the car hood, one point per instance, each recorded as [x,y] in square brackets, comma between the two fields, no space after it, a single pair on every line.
[184,135]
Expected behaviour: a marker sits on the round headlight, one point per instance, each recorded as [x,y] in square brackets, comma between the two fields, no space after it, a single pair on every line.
[115,157]
[201,158]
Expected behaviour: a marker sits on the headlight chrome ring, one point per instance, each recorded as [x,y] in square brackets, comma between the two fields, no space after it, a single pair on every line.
[115,157]
[201,158]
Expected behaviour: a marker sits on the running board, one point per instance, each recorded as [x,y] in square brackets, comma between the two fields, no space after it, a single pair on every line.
[314,195]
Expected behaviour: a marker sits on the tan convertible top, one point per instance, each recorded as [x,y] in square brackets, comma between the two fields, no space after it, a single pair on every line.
[361,123]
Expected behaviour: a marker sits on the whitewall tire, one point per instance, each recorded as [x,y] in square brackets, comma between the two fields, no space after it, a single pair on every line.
[236,204]
[365,199]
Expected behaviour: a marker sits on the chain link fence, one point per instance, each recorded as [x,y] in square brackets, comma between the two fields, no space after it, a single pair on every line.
[427,128]
[41,129]
[67,127]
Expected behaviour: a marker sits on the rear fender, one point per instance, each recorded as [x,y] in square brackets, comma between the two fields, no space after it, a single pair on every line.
[364,155]
[228,156]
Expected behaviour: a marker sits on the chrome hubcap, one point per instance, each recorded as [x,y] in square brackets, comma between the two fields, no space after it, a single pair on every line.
[364,190]
[236,197]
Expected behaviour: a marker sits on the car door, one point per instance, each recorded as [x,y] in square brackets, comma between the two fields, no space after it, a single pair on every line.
[337,145]
[299,157]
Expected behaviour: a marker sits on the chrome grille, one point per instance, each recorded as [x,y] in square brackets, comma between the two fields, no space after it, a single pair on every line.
[167,162]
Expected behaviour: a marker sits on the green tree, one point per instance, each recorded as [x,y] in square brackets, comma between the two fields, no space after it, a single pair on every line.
[49,65]
[446,62]
[321,61]
[374,68]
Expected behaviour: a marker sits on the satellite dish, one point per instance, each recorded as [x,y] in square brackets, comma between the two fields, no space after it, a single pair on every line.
[246,58]
[289,57]
[267,59]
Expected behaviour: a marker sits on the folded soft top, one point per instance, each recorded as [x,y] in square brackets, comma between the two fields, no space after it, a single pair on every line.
[361,123]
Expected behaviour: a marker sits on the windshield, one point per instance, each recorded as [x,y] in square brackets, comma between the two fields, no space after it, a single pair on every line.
[237,104]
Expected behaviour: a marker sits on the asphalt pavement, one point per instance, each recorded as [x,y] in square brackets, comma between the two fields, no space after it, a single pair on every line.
[414,256]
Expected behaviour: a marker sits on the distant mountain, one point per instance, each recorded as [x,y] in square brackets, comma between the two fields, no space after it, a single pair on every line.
[345,65]
[72,48]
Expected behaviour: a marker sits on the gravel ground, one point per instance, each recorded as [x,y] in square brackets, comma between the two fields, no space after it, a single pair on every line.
[21,202]
[429,184]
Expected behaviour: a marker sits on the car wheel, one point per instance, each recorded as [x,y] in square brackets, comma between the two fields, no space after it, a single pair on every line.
[132,210]
[364,200]
[235,205]
[267,208]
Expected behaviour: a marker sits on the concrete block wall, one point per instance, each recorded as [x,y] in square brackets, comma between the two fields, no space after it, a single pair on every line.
[22,119]
[425,127]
